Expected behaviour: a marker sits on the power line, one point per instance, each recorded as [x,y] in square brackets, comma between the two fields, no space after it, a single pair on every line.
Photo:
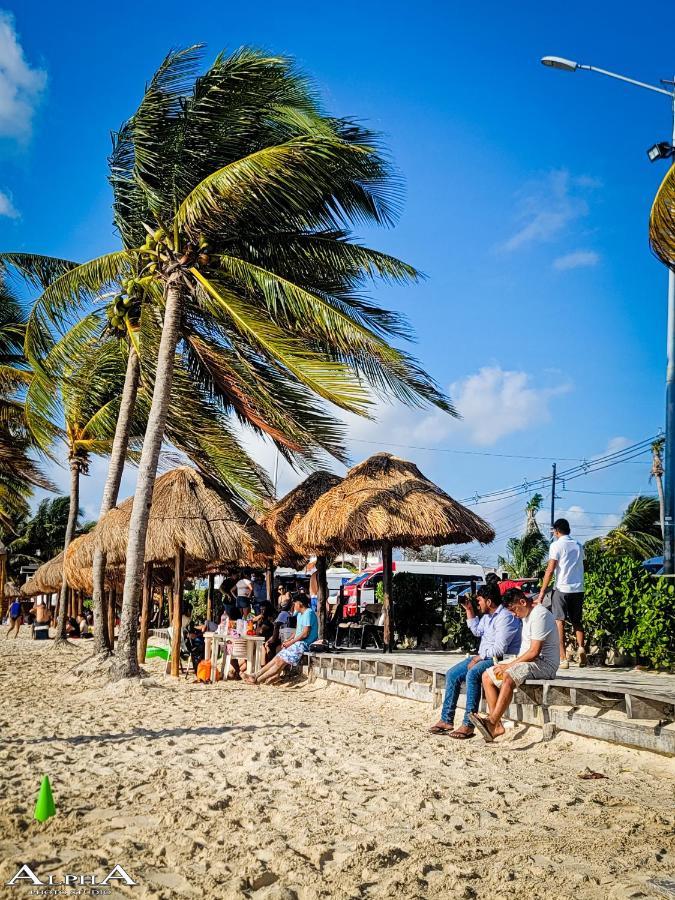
[587,467]
[466,452]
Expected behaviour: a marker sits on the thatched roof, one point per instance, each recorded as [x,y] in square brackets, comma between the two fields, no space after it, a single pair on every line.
[79,561]
[47,579]
[290,509]
[11,590]
[190,511]
[386,499]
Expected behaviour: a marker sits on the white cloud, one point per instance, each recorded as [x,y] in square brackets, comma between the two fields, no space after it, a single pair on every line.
[547,206]
[579,259]
[615,444]
[495,402]
[7,208]
[21,85]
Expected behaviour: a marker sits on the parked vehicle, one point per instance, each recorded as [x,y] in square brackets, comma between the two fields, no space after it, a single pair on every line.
[360,590]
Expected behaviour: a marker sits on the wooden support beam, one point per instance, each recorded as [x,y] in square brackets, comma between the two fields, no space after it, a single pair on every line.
[177,604]
[112,614]
[645,708]
[209,598]
[387,598]
[269,583]
[321,594]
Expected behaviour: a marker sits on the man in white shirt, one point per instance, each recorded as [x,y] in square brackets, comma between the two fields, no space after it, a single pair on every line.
[538,658]
[566,562]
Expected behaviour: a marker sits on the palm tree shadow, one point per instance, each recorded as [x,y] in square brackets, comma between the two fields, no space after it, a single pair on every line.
[148,734]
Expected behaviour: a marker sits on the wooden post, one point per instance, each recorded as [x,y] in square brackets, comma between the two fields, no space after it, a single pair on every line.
[209,598]
[269,582]
[386,598]
[145,613]
[112,610]
[103,624]
[177,604]
[321,594]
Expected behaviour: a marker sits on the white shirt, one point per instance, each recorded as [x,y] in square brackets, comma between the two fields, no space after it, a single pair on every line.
[569,573]
[243,587]
[540,625]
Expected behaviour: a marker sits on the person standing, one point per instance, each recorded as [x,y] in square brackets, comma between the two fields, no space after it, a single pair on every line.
[242,592]
[566,562]
[15,618]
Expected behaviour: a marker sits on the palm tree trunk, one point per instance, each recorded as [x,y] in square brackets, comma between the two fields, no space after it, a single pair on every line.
[662,508]
[70,533]
[126,664]
[118,455]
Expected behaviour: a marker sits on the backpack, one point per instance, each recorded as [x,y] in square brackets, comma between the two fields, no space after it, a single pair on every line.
[15,610]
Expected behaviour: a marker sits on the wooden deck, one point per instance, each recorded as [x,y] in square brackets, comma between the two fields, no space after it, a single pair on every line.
[614,704]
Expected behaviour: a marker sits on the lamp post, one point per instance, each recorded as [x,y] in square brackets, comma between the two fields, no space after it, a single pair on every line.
[662,150]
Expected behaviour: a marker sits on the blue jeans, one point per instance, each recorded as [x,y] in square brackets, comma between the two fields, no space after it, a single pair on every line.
[453,683]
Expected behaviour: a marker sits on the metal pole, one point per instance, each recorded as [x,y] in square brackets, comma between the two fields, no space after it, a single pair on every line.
[669,452]
[553,498]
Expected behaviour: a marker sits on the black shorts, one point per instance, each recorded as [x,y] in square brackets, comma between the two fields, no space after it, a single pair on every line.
[568,608]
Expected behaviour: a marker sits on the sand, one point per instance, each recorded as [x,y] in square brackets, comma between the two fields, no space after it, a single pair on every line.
[311,791]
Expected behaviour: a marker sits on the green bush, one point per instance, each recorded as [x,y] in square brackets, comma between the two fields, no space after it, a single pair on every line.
[627,609]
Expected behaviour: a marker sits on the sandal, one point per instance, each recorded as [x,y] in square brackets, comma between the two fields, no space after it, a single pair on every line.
[482,726]
[462,735]
[439,729]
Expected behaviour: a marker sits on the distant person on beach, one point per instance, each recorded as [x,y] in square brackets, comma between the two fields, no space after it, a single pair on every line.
[242,592]
[538,658]
[566,562]
[499,633]
[72,627]
[42,615]
[85,631]
[15,618]
[306,633]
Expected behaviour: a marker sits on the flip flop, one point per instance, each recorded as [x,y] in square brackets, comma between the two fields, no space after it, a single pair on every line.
[461,735]
[481,725]
[436,729]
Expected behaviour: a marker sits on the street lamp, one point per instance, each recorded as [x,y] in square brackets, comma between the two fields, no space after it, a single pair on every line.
[662,150]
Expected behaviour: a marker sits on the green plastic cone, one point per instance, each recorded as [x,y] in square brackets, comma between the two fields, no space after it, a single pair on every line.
[44,808]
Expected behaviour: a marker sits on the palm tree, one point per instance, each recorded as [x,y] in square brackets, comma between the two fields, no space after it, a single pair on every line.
[639,533]
[526,555]
[19,473]
[88,401]
[233,196]
[657,475]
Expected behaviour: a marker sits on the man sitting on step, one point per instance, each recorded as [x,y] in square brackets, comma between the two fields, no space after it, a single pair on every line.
[499,633]
[293,649]
[539,658]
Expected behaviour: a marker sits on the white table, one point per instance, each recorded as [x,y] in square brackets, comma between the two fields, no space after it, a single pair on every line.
[254,648]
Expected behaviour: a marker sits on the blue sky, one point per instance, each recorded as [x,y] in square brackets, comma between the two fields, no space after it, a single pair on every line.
[527,200]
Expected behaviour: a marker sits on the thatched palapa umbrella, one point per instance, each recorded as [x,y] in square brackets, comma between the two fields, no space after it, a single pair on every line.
[280,520]
[386,502]
[194,522]
[11,591]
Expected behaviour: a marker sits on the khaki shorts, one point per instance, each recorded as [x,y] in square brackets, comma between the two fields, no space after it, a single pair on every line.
[537,670]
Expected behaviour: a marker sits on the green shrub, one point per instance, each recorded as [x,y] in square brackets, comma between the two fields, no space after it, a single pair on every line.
[627,609]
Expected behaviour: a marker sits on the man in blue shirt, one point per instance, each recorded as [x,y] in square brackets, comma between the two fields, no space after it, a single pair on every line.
[306,633]
[499,633]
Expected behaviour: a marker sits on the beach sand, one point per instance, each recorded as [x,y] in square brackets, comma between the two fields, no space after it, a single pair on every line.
[310,791]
